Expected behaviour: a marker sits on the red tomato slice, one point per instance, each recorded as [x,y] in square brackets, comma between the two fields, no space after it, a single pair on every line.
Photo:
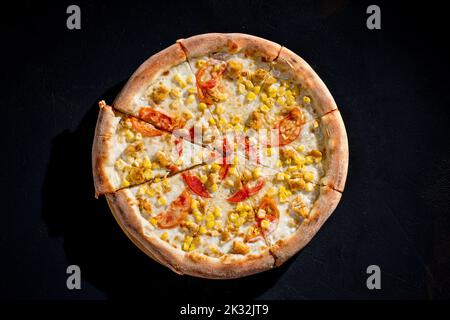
[247,191]
[160,119]
[223,172]
[195,185]
[272,214]
[239,196]
[176,213]
[147,130]
[255,189]
[290,126]
[204,85]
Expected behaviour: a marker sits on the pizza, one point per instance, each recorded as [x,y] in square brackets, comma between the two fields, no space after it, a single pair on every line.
[222,156]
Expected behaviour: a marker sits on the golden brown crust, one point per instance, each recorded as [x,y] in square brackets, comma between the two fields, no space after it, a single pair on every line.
[101,148]
[226,267]
[323,101]
[322,209]
[336,150]
[145,75]
[208,43]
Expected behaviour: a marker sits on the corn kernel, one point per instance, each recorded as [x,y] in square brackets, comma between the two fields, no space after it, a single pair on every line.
[280,176]
[306,99]
[125,183]
[202,230]
[218,225]
[265,224]
[153,221]
[162,201]
[217,212]
[251,96]
[281,101]
[279,164]
[150,192]
[272,91]
[308,176]
[203,178]
[235,120]
[209,224]
[219,109]
[211,121]
[272,191]
[248,84]
[309,187]
[164,236]
[234,217]
[261,214]
[190,79]
[148,173]
[256,89]
[240,247]
[197,215]
[256,172]
[190,99]
[309,160]
[194,204]
[264,108]
[239,222]
[315,124]
[200,63]
[192,90]
[214,187]
[241,88]
[179,80]
[202,106]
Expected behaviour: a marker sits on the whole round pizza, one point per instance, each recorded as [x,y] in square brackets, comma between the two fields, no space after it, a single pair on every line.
[222,156]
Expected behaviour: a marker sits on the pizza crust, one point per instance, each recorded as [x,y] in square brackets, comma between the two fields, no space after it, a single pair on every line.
[291,62]
[336,149]
[146,74]
[324,206]
[101,149]
[208,43]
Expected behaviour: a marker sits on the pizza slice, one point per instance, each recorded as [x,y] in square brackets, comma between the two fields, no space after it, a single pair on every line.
[230,70]
[163,92]
[128,151]
[184,230]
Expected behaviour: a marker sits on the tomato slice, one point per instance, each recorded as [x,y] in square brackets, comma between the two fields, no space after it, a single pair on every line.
[223,172]
[204,85]
[147,130]
[255,189]
[290,126]
[160,119]
[176,213]
[247,191]
[195,185]
[272,214]
[239,196]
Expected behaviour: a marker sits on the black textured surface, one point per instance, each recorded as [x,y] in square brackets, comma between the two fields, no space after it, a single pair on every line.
[392,88]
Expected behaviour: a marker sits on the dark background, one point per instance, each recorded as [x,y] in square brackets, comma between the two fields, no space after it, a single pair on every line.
[391,86]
